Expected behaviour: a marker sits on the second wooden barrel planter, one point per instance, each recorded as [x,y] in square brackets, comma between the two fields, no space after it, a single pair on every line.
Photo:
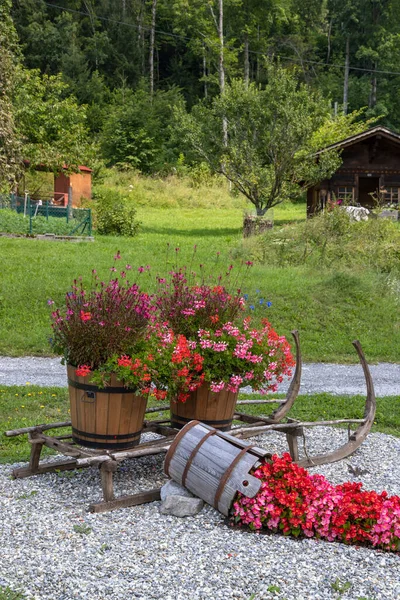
[110,417]
[213,465]
[214,409]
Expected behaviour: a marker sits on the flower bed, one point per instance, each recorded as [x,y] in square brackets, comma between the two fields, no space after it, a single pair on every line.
[293,502]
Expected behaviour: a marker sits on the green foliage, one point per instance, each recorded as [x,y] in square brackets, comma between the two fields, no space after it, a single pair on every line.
[138,131]
[50,121]
[272,134]
[9,144]
[114,213]
[340,587]
[330,239]
[82,529]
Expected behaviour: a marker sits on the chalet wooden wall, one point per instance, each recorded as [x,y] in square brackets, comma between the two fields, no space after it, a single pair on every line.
[371,165]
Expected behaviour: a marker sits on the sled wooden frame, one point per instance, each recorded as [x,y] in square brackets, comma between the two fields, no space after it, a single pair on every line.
[108,460]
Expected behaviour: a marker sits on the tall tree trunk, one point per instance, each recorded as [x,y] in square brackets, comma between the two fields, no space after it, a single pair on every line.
[246,60]
[258,56]
[151,54]
[222,66]
[205,71]
[346,76]
[221,46]
[123,8]
[328,54]
[372,96]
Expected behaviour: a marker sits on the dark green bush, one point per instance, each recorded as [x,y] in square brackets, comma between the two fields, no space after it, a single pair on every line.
[114,213]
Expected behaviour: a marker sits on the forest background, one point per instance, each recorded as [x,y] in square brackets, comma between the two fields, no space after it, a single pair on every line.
[100,80]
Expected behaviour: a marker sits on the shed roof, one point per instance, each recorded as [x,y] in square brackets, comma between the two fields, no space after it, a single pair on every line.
[358,137]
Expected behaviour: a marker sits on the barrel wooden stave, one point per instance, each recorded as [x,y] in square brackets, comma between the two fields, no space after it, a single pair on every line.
[214,408]
[213,466]
[109,420]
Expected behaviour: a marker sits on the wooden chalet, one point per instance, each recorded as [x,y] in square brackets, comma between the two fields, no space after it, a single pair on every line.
[371,165]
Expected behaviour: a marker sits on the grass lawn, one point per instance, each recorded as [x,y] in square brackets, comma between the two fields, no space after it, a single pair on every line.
[23,406]
[329,308]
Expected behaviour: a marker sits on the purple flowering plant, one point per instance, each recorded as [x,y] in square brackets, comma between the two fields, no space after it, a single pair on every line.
[103,320]
[188,301]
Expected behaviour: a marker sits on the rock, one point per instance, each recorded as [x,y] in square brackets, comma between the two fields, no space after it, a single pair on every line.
[181,506]
[171,488]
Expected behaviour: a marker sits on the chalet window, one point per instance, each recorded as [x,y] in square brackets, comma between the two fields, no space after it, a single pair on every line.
[345,192]
[391,195]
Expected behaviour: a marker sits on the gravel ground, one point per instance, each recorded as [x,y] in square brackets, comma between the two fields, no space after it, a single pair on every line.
[316,378]
[137,553]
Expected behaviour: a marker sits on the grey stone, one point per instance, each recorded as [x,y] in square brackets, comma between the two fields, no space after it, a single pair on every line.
[181,506]
[171,488]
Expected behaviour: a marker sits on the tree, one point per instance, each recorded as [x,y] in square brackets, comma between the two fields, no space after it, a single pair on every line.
[272,137]
[10,160]
[50,123]
[138,131]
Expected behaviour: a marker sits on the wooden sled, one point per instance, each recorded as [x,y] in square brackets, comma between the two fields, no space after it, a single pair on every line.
[108,460]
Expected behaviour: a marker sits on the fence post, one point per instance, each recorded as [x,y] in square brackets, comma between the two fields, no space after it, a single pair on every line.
[25,202]
[90,221]
[30,218]
[47,210]
[69,207]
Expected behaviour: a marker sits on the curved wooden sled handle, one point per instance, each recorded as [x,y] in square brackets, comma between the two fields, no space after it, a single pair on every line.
[357,438]
[294,387]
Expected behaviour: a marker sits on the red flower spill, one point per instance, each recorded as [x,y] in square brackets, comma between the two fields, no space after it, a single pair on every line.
[296,503]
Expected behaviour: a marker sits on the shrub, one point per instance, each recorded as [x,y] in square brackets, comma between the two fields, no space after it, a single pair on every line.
[330,239]
[114,213]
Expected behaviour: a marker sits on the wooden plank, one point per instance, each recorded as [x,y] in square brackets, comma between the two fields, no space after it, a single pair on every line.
[107,471]
[126,501]
[34,458]
[62,465]
[239,431]
[66,449]
[38,428]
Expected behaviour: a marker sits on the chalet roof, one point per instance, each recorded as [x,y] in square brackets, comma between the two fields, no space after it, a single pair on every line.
[358,137]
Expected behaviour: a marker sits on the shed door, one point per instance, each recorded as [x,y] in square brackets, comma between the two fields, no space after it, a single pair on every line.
[367,186]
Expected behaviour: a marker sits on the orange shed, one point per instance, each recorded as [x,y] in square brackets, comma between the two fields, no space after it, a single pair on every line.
[81,184]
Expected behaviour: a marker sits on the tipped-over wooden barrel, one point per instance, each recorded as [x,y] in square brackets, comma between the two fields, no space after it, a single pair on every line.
[214,408]
[213,465]
[110,417]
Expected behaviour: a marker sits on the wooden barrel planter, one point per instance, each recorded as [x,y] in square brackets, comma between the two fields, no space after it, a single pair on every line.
[213,465]
[110,417]
[214,409]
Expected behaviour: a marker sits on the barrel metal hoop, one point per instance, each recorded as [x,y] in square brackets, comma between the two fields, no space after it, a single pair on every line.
[101,436]
[174,444]
[193,454]
[227,474]
[93,388]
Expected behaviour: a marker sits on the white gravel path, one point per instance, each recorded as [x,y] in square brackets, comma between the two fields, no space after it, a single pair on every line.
[316,377]
[137,553]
